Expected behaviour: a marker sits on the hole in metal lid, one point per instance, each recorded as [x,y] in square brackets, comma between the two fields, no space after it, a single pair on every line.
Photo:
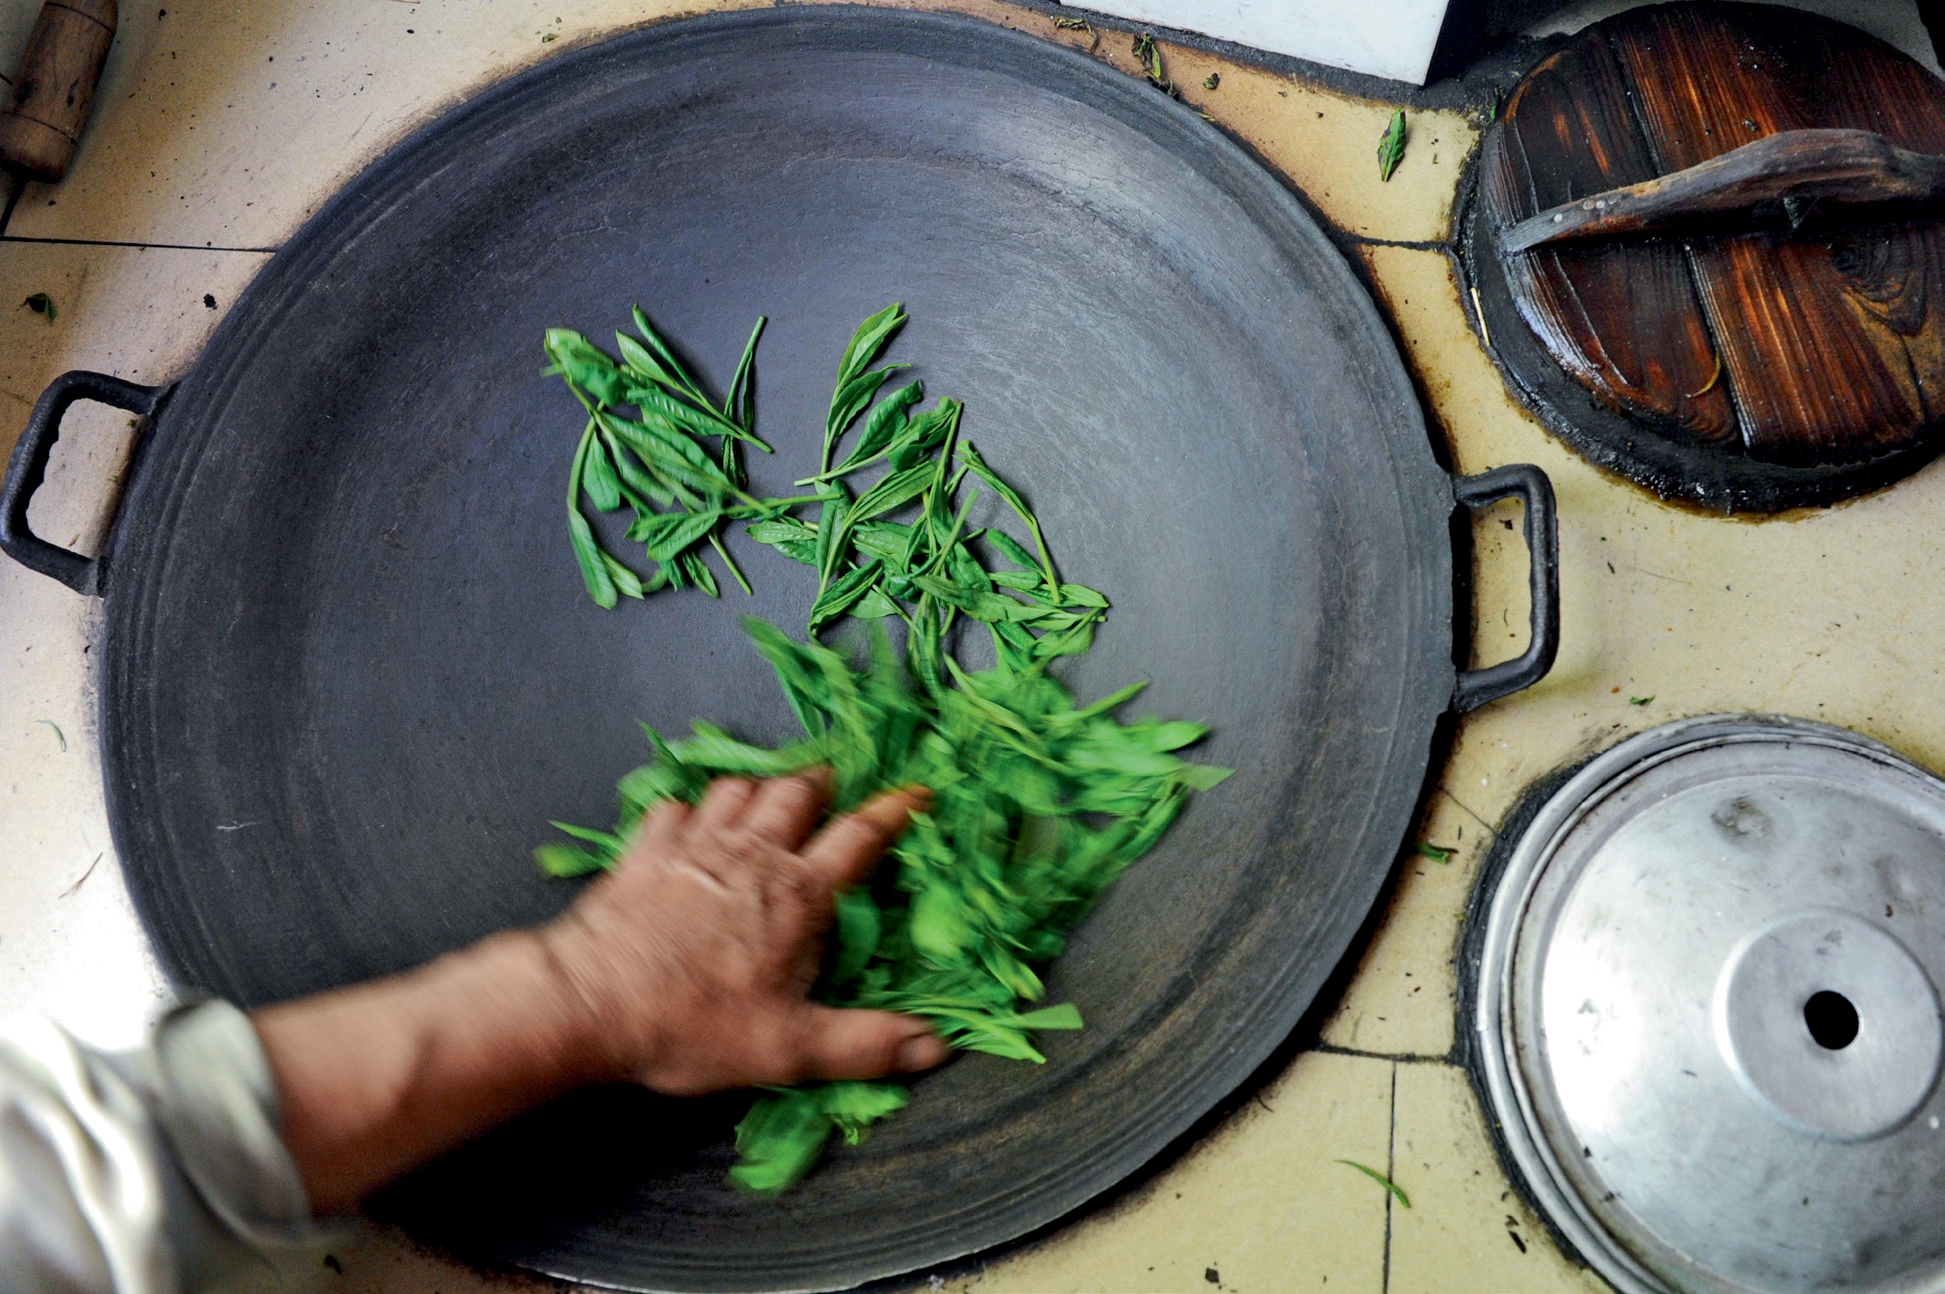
[1832,1020]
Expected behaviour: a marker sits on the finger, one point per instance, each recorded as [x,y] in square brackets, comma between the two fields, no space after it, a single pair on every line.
[657,834]
[723,804]
[866,1044]
[843,853]
[785,810]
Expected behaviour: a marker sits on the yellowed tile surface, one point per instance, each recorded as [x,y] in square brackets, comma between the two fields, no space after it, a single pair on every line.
[1466,1231]
[71,945]
[1325,141]
[1820,613]
[1261,1202]
[136,313]
[1401,1001]
[373,1258]
[227,125]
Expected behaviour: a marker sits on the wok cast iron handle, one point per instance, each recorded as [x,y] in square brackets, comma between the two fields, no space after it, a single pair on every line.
[28,467]
[1529,484]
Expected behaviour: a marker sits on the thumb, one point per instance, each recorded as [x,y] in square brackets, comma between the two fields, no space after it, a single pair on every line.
[867,1044]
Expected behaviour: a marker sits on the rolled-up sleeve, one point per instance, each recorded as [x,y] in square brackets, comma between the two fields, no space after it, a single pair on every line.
[145,1172]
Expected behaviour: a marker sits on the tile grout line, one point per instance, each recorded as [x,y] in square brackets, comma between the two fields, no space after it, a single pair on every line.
[159,247]
[1390,1171]
[1396,1057]
[1408,244]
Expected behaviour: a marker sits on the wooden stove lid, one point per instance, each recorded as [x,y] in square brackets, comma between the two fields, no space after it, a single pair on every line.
[1807,351]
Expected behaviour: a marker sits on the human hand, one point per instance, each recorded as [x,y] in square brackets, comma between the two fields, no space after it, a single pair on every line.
[695,957]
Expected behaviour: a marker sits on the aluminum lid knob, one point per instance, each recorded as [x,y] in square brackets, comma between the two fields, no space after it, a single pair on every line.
[1830,1023]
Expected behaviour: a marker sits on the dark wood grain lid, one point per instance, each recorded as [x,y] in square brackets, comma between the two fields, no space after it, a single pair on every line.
[1806,348]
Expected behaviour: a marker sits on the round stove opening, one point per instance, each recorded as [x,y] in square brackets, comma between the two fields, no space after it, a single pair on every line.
[1832,1020]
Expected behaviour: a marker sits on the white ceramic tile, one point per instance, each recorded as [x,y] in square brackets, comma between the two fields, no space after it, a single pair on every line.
[1392,40]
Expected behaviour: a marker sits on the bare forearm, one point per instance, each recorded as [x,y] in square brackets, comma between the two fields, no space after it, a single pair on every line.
[686,970]
[379,1078]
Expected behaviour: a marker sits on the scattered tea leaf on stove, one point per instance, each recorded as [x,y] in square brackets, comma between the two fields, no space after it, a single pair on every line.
[1391,148]
[1639,700]
[1080,24]
[41,304]
[1380,1179]
[1437,853]
[59,736]
[1149,55]
[653,359]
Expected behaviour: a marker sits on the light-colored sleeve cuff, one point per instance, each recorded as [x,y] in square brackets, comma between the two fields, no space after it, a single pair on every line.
[155,1171]
[216,1105]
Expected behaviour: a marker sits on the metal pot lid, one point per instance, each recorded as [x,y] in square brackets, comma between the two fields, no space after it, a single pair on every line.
[1708,1016]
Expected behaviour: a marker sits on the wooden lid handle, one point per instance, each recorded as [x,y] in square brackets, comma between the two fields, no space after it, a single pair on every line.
[42,118]
[1794,168]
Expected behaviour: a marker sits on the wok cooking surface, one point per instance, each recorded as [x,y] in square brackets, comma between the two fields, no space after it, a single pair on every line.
[351,673]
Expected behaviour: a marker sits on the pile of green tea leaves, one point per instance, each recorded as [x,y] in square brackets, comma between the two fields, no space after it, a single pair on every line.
[1038,804]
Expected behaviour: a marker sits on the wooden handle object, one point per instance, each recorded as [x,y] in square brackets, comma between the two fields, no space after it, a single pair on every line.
[1799,169]
[43,115]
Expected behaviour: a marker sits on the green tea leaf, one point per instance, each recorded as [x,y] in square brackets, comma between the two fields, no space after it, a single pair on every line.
[1010,549]
[1391,148]
[852,398]
[697,420]
[698,574]
[1380,1179]
[568,860]
[873,335]
[738,405]
[594,567]
[858,929]
[655,360]
[666,534]
[894,490]
[1064,1016]
[778,1141]
[585,365]
[598,478]
[1038,804]
[626,582]
[837,599]
[989,607]
[606,842]
[886,422]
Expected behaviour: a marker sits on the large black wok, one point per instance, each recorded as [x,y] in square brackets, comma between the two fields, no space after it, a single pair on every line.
[349,672]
